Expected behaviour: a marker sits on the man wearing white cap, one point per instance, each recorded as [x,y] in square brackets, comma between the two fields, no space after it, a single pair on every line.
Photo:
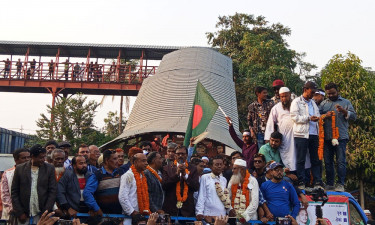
[244,192]
[319,96]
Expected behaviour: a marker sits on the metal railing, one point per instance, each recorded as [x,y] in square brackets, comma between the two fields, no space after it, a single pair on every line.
[67,71]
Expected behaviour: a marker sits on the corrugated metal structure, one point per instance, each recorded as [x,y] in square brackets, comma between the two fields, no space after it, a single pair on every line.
[11,140]
[165,100]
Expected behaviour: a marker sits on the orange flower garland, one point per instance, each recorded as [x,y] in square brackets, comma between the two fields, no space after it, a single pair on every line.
[335,130]
[183,198]
[142,191]
[154,173]
[321,137]
[245,190]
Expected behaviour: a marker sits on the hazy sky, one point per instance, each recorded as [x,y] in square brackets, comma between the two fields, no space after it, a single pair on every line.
[319,28]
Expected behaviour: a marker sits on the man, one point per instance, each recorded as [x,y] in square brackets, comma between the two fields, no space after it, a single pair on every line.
[247,186]
[121,155]
[84,151]
[154,178]
[131,153]
[271,149]
[259,171]
[213,198]
[77,68]
[66,146]
[319,96]
[281,197]
[258,114]
[181,177]
[249,148]
[6,68]
[171,151]
[20,156]
[70,187]
[50,146]
[66,69]
[344,112]
[58,158]
[101,190]
[33,187]
[233,156]
[51,68]
[280,120]
[94,156]
[276,85]
[305,115]
[133,194]
[19,68]
[146,147]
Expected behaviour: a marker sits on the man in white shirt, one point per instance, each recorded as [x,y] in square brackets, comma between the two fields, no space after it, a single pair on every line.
[213,199]
[131,181]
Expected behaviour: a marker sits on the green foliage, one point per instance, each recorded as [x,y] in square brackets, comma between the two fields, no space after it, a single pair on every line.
[260,55]
[73,121]
[111,126]
[356,84]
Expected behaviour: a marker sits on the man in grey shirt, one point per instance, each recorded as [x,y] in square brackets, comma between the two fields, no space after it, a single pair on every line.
[344,112]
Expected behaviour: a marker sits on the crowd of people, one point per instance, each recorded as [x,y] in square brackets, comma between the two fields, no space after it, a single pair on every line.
[71,71]
[281,160]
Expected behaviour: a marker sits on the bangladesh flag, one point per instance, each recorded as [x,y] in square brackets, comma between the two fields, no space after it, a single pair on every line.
[204,108]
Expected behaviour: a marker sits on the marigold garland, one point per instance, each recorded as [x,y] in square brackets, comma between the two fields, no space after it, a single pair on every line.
[335,130]
[245,191]
[142,191]
[183,198]
[154,173]
[321,137]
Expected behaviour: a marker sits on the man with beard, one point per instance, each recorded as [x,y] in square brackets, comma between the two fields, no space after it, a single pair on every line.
[154,178]
[180,181]
[281,197]
[249,148]
[70,187]
[305,115]
[20,156]
[280,120]
[133,194]
[58,158]
[344,112]
[33,187]
[243,188]
[271,149]
[213,199]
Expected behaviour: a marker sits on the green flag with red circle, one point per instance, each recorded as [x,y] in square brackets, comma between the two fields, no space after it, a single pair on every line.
[204,108]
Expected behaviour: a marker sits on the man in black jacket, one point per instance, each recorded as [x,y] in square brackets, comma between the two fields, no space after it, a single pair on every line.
[154,177]
[71,186]
[33,187]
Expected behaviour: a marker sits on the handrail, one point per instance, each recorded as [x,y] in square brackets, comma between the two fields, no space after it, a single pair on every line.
[67,71]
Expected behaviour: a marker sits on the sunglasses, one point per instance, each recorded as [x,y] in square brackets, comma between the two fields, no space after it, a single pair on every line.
[258,161]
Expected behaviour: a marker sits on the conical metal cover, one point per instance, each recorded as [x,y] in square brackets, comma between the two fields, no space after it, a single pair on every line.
[165,100]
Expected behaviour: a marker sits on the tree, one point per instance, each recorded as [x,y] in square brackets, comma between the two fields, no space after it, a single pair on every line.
[356,84]
[112,123]
[260,54]
[73,121]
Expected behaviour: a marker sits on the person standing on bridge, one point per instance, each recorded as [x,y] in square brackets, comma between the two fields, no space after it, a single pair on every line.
[19,67]
[66,69]
[50,69]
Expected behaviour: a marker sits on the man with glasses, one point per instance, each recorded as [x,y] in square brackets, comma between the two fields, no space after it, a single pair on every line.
[171,151]
[259,166]
[281,197]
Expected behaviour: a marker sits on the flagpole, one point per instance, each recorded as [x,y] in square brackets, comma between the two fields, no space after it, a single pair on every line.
[225,115]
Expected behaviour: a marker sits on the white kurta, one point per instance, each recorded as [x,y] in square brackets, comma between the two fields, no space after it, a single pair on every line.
[128,195]
[283,120]
[209,203]
[251,212]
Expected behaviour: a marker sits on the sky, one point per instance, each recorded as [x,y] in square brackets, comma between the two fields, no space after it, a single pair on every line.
[319,28]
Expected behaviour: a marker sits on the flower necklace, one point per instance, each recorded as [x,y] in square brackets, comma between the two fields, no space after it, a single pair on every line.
[154,173]
[224,196]
[181,199]
[142,191]
[335,134]
[241,196]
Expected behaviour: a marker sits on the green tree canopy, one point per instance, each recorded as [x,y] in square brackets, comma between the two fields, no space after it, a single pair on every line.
[260,55]
[356,84]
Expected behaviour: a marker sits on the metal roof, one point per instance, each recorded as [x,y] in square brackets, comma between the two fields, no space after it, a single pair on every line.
[80,50]
[165,100]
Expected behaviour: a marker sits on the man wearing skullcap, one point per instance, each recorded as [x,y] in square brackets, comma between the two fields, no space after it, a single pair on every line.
[246,191]
[33,187]
[319,96]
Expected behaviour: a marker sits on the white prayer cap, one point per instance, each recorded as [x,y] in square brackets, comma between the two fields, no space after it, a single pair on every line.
[205,158]
[284,90]
[240,162]
[320,92]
